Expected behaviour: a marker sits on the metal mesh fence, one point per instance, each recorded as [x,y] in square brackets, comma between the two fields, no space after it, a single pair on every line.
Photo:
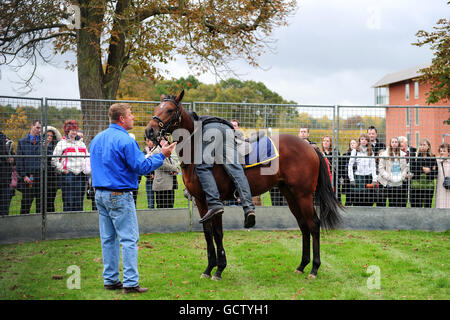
[400,164]
[274,119]
[403,175]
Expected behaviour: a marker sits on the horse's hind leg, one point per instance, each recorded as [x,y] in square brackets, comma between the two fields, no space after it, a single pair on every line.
[306,235]
[306,252]
[313,224]
[303,209]
[310,225]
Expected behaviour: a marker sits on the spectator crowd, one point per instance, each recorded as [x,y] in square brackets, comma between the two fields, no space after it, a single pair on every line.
[369,173]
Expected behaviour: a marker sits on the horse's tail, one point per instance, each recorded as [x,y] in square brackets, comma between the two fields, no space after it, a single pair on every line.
[326,199]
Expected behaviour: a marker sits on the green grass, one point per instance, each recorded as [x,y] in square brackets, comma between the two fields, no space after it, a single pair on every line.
[413,265]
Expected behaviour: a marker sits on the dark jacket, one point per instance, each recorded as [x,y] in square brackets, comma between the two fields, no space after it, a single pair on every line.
[411,153]
[209,119]
[329,156]
[5,166]
[378,147]
[418,163]
[28,165]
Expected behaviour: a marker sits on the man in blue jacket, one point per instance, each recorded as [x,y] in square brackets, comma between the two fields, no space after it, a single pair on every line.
[29,168]
[116,163]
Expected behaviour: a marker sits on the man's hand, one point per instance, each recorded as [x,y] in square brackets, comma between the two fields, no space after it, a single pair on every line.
[166,149]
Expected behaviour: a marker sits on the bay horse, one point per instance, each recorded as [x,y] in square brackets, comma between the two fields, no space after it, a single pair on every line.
[302,176]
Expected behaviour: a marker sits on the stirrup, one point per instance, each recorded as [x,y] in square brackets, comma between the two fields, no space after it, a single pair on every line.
[236,196]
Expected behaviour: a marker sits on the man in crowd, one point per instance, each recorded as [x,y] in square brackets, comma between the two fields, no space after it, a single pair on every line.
[29,168]
[304,134]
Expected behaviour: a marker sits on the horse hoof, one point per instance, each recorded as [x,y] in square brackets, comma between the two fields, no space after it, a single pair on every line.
[312,276]
[298,271]
[216,278]
[205,276]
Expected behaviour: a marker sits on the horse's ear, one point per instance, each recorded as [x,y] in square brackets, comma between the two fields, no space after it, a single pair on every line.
[180,96]
[163,96]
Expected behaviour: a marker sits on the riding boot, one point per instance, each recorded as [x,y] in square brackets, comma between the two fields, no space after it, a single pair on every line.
[210,214]
[249,219]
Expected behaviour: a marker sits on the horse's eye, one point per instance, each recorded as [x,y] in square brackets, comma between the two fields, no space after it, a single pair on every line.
[170,111]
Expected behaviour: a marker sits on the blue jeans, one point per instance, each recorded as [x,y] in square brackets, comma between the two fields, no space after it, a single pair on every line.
[150,194]
[118,226]
[227,155]
[73,191]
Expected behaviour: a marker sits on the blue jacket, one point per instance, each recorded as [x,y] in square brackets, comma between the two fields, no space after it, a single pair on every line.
[28,165]
[117,161]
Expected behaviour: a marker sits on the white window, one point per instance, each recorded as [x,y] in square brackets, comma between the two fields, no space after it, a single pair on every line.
[407,91]
[416,90]
[382,95]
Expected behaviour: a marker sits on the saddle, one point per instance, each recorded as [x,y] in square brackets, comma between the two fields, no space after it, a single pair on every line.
[257,150]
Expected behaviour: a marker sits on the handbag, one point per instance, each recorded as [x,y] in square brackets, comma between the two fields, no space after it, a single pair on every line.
[446,182]
[13,184]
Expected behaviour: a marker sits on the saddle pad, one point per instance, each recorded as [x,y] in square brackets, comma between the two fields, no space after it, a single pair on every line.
[263,151]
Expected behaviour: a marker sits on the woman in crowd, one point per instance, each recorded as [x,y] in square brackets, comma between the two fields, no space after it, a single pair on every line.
[443,194]
[392,172]
[150,176]
[343,164]
[365,175]
[70,160]
[329,152]
[424,169]
[53,181]
[164,181]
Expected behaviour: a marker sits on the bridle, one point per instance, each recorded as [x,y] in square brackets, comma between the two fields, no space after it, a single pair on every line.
[174,121]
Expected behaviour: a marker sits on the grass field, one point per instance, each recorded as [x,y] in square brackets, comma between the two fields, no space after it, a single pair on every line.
[409,265]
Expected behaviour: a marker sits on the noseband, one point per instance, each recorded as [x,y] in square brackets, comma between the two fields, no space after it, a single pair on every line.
[175,120]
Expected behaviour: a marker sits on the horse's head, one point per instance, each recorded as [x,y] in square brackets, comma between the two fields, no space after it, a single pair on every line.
[166,119]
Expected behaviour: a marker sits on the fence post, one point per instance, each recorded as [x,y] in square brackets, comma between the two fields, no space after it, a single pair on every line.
[43,179]
[336,147]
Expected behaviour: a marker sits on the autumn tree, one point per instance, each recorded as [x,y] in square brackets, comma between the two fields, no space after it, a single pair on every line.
[109,36]
[438,73]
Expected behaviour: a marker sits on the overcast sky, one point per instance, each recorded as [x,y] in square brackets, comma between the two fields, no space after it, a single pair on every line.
[332,52]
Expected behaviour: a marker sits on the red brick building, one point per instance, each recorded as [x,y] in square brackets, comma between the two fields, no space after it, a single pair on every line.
[418,121]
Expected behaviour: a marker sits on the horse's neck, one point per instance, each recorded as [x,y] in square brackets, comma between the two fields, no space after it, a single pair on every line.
[186,121]
[188,124]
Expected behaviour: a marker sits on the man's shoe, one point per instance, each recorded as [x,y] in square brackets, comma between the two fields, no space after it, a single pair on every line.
[249,219]
[210,214]
[136,289]
[115,286]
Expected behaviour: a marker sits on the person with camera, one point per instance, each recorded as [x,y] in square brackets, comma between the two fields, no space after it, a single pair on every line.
[392,172]
[424,169]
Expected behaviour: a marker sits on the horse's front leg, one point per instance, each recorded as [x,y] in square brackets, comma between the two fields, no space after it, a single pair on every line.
[212,258]
[209,237]
[218,237]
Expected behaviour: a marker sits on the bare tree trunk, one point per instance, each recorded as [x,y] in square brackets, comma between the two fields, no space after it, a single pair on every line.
[91,77]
